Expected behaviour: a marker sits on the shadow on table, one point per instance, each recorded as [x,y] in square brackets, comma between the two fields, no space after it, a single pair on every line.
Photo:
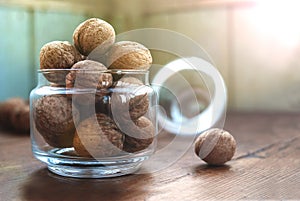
[212,170]
[44,185]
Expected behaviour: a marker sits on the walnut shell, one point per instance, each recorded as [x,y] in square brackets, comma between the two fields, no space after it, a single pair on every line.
[98,137]
[20,118]
[129,100]
[93,33]
[58,55]
[129,55]
[88,75]
[215,146]
[140,136]
[8,110]
[55,119]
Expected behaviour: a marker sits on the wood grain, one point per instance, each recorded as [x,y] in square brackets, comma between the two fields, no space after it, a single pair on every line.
[266,166]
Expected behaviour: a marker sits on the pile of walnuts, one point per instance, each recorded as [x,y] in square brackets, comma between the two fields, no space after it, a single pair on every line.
[119,124]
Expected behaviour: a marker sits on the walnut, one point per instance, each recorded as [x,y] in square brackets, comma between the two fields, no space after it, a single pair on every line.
[129,99]
[139,135]
[14,114]
[55,119]
[90,76]
[129,55]
[93,33]
[98,136]
[58,55]
[20,118]
[215,146]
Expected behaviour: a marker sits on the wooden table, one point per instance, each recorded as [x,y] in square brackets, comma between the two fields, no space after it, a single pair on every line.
[266,166]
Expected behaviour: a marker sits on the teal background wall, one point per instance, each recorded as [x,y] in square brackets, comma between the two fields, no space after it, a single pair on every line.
[22,34]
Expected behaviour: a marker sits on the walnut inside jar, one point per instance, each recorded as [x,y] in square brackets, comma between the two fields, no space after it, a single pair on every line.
[88,79]
[55,120]
[98,136]
[129,55]
[93,34]
[139,136]
[58,55]
[129,99]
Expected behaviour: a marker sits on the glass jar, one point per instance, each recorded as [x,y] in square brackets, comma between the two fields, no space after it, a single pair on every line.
[93,124]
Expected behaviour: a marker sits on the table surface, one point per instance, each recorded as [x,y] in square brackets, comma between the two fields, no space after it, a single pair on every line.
[265,166]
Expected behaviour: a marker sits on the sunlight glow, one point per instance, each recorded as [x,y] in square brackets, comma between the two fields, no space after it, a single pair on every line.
[279,20]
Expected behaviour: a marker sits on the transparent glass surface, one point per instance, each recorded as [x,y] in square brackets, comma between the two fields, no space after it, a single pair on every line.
[93,124]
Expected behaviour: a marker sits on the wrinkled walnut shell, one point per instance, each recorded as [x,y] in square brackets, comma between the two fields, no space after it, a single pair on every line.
[93,33]
[88,75]
[130,99]
[54,118]
[129,55]
[11,111]
[58,55]
[139,135]
[20,118]
[98,136]
[215,146]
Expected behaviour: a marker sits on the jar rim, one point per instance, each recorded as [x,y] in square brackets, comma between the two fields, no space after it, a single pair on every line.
[114,71]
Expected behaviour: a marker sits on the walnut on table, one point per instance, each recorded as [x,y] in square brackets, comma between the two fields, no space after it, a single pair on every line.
[215,146]
[14,114]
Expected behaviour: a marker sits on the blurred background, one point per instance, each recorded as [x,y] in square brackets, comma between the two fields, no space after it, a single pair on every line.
[255,44]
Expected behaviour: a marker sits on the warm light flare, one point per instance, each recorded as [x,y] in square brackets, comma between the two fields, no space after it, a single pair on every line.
[278,20]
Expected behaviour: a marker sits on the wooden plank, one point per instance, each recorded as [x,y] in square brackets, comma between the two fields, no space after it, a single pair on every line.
[266,166]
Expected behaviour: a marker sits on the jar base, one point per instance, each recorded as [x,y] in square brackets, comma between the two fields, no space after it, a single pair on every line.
[60,162]
[92,172]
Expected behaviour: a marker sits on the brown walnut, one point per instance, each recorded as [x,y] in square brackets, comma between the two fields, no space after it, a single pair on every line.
[20,118]
[91,76]
[98,136]
[129,55]
[129,99]
[88,74]
[215,146]
[139,136]
[93,34]
[55,119]
[58,55]
[14,114]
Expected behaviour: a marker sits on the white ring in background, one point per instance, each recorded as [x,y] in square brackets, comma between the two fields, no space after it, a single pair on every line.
[212,113]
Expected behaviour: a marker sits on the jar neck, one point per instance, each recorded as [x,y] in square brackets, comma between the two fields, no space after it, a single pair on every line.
[57,77]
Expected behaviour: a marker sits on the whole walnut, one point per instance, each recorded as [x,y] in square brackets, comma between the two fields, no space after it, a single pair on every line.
[20,118]
[129,55]
[14,114]
[215,146]
[93,34]
[129,99]
[139,135]
[55,119]
[58,55]
[98,136]
[90,76]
